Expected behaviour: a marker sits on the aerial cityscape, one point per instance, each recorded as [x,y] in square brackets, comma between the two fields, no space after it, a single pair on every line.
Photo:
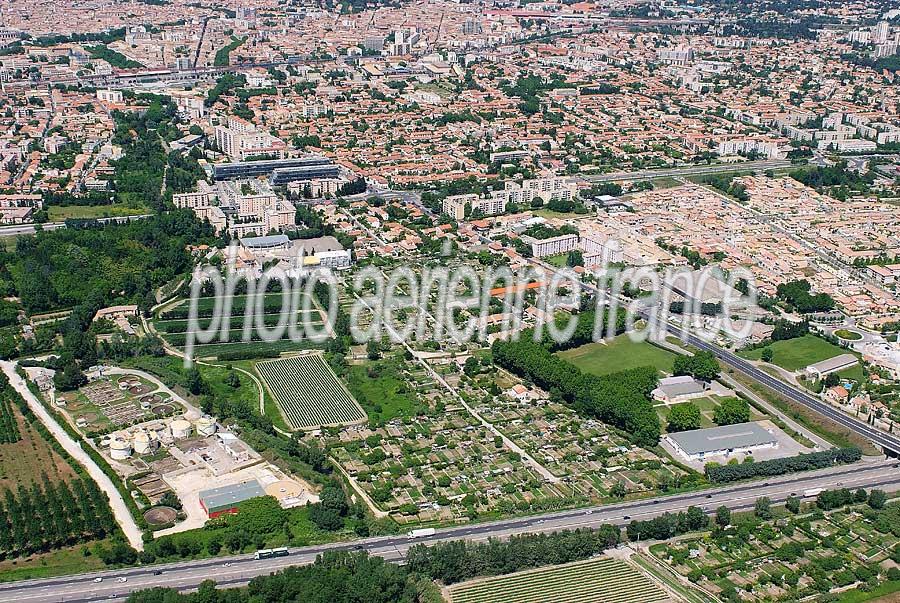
[460,301]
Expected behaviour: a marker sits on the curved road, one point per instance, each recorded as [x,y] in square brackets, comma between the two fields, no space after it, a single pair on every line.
[237,570]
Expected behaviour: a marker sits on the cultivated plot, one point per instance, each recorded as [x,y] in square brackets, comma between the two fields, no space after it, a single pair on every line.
[598,580]
[308,393]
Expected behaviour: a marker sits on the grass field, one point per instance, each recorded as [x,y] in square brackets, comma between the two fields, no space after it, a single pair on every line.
[70,560]
[84,212]
[597,580]
[308,392]
[380,392]
[796,354]
[618,354]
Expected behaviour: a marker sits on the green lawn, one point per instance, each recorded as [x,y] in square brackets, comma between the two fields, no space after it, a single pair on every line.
[70,560]
[796,354]
[557,260]
[618,354]
[848,335]
[83,212]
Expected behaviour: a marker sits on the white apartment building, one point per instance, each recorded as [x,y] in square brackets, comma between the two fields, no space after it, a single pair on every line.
[200,199]
[114,97]
[547,189]
[455,205]
[599,249]
[680,55]
[767,148]
[553,246]
[189,106]
[239,139]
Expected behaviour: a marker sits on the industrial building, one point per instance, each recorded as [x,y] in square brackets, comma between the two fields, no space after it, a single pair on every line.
[698,444]
[831,365]
[227,499]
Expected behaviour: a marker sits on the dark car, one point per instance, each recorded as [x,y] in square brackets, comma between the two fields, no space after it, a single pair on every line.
[157,572]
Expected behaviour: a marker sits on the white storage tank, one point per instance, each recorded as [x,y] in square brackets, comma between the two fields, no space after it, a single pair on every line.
[119,450]
[180,429]
[205,426]
[141,442]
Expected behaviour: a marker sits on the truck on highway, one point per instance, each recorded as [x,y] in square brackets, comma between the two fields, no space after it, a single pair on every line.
[812,492]
[269,553]
[420,533]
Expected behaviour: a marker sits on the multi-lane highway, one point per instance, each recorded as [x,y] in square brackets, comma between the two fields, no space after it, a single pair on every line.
[236,570]
[890,442]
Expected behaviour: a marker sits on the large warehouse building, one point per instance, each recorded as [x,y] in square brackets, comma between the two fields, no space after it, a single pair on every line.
[697,444]
[227,499]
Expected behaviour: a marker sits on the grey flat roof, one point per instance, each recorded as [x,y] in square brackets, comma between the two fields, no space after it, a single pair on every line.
[832,364]
[319,244]
[682,389]
[265,241]
[226,496]
[715,439]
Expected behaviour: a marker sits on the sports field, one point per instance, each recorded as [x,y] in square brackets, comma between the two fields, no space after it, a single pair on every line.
[796,354]
[618,354]
[308,392]
[597,580]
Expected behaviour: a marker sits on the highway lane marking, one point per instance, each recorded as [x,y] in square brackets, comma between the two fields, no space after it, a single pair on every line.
[246,565]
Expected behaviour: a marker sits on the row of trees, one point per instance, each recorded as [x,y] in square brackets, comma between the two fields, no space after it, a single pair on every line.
[833,499]
[335,577]
[9,427]
[620,399]
[459,560]
[668,525]
[793,464]
[50,515]
[702,366]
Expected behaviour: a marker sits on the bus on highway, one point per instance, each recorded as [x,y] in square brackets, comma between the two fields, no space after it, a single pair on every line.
[269,553]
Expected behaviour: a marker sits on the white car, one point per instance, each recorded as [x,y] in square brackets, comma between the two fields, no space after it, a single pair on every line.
[122,579]
[98,579]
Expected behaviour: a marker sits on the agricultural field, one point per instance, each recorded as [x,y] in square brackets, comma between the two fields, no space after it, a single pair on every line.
[308,393]
[49,506]
[172,324]
[618,354]
[25,459]
[597,580]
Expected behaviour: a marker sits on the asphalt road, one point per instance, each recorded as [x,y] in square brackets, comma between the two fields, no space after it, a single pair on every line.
[887,441]
[239,569]
[120,510]
[756,166]
[27,229]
